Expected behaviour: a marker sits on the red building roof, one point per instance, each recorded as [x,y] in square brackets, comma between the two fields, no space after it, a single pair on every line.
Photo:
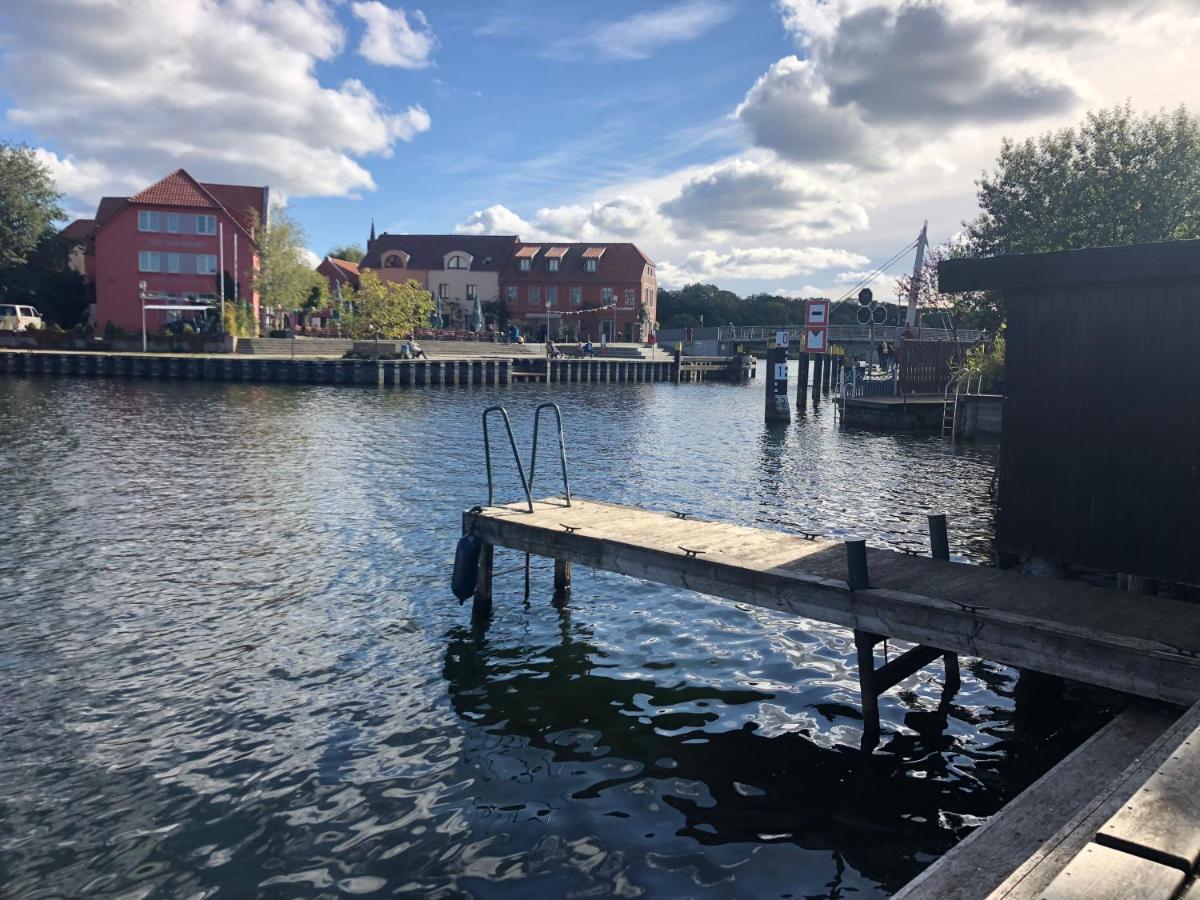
[614,263]
[79,230]
[241,202]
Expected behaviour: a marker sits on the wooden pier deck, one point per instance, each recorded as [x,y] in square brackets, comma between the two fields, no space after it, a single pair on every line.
[1119,817]
[1127,642]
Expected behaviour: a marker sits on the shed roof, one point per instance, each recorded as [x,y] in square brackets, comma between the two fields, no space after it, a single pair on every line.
[1096,265]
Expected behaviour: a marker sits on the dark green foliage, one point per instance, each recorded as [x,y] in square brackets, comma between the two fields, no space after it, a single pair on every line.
[1120,178]
[349,252]
[28,203]
[685,307]
[44,281]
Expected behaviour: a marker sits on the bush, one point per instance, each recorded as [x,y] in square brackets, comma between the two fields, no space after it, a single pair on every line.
[987,361]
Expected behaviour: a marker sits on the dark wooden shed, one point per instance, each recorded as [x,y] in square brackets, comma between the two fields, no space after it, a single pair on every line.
[1100,451]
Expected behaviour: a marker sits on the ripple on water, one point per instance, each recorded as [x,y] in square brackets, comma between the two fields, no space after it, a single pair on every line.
[231,661]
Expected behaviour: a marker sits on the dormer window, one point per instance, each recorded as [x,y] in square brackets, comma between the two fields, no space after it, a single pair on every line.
[525,257]
[591,258]
[457,261]
[589,265]
[552,265]
[393,261]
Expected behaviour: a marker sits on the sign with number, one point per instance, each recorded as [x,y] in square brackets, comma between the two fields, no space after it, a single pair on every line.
[781,338]
[781,371]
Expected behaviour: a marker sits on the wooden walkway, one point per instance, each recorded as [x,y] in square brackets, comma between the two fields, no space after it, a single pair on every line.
[1119,817]
[1143,646]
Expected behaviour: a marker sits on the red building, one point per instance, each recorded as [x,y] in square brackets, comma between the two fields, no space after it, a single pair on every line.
[581,291]
[175,236]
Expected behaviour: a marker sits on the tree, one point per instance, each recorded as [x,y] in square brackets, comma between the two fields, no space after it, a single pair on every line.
[28,203]
[349,252]
[285,274]
[1120,178]
[386,309]
[44,280]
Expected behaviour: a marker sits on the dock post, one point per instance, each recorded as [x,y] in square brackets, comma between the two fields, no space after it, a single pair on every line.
[801,379]
[777,409]
[864,644]
[482,604]
[939,541]
[826,372]
[677,369]
[856,564]
[562,579]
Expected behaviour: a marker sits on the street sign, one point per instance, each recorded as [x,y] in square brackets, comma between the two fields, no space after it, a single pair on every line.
[781,338]
[817,313]
[814,340]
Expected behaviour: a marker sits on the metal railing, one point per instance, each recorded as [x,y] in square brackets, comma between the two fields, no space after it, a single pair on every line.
[562,447]
[487,454]
[735,333]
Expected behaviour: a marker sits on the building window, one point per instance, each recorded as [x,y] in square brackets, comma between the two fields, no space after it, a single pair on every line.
[173,223]
[590,264]
[147,220]
[444,291]
[552,295]
[472,292]
[552,264]
[173,263]
[511,293]
[206,224]
[206,263]
[149,261]
[629,295]
[524,263]
[533,296]
[576,296]
[458,262]
[393,261]
[606,295]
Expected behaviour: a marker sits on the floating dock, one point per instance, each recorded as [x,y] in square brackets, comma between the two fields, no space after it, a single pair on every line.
[1119,817]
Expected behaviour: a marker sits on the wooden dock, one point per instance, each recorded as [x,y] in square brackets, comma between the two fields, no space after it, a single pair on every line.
[1067,628]
[1119,817]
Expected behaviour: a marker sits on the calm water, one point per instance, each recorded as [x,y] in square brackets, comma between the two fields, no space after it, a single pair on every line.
[230,663]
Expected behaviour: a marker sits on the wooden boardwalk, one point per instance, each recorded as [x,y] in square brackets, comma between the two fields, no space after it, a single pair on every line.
[1149,647]
[1119,817]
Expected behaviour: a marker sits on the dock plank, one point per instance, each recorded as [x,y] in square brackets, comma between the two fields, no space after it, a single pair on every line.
[1101,873]
[1149,647]
[988,855]
[1161,821]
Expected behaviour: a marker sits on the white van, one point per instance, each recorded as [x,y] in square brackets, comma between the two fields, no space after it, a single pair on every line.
[18,318]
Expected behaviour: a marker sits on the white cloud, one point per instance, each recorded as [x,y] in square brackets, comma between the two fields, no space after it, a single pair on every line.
[873,68]
[230,92]
[620,219]
[755,263]
[389,39]
[639,35]
[745,198]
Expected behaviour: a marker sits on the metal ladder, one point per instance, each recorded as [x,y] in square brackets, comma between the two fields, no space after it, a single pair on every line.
[950,400]
[526,482]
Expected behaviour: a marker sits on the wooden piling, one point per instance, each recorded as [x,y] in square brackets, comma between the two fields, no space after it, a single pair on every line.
[562,578]
[482,604]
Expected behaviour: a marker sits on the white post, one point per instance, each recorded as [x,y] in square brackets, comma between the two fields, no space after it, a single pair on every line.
[221,270]
[915,288]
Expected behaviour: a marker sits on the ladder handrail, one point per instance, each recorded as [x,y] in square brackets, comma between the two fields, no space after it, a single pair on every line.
[487,455]
[562,447]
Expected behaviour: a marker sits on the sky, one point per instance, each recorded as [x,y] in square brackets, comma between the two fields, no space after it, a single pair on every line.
[788,147]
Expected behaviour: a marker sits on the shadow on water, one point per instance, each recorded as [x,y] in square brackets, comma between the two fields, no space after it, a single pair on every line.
[884,815]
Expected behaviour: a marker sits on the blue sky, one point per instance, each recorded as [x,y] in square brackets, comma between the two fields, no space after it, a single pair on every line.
[786,146]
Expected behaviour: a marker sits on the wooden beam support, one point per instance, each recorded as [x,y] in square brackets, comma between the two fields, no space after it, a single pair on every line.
[908,663]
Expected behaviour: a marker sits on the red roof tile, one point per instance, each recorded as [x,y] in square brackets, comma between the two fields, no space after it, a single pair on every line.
[621,263]
[556,252]
[177,189]
[528,252]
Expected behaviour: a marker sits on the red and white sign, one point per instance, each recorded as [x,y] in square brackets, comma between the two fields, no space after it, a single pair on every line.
[817,315]
[816,329]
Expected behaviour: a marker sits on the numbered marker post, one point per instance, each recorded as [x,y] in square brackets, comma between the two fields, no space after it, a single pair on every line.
[777,408]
